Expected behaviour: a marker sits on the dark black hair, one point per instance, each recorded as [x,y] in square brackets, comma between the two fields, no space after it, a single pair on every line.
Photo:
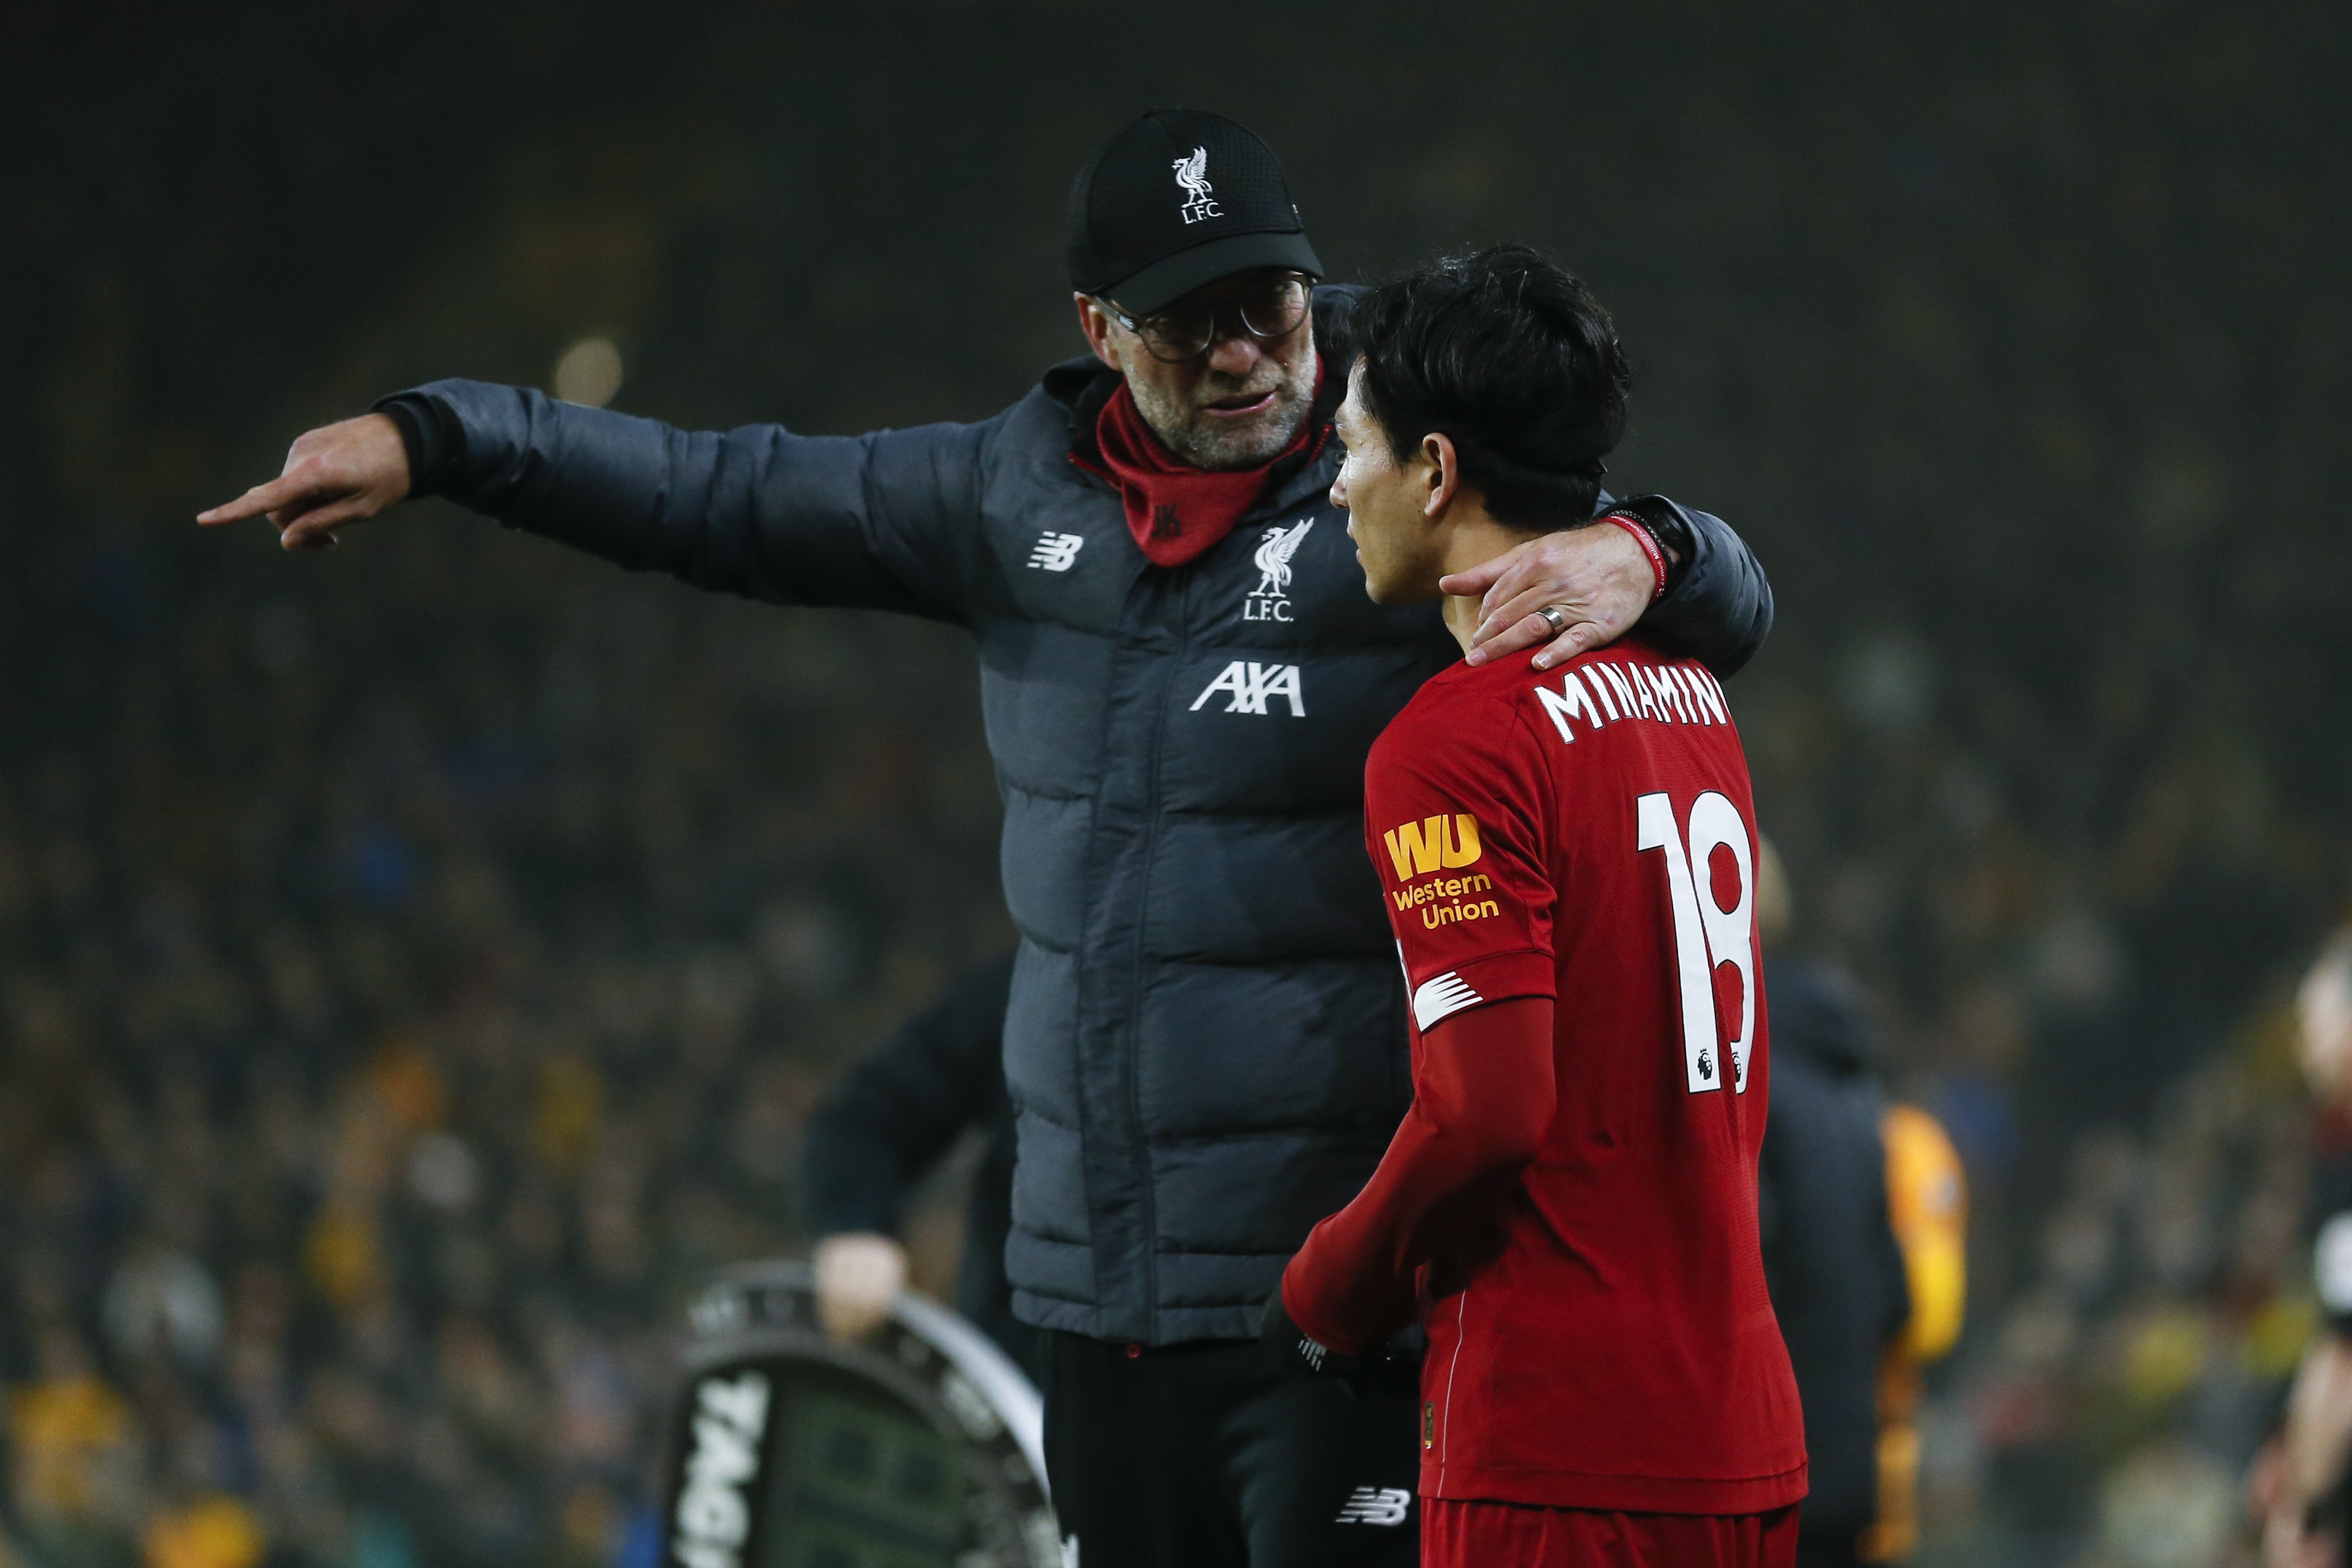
[1515,362]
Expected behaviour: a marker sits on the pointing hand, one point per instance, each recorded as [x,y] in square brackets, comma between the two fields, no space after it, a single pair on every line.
[335,474]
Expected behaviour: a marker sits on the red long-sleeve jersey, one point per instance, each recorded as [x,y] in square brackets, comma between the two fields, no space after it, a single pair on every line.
[1568,859]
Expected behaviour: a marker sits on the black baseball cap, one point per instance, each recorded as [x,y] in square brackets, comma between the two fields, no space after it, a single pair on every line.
[1178,199]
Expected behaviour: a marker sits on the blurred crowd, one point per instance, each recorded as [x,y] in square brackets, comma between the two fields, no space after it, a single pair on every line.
[2108,1409]
[394,1038]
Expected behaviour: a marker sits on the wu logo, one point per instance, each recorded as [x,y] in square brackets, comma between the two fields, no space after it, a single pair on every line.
[1269,601]
[1375,1505]
[1434,844]
[1056,552]
[1192,174]
[1250,685]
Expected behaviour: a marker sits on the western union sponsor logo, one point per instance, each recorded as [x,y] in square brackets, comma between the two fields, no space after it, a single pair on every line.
[1441,887]
[1433,844]
[1447,914]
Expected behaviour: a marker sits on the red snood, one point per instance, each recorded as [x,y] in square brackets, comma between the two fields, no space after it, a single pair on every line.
[1175,509]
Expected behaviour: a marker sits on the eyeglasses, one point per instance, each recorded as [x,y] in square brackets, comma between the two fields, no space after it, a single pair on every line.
[1268,312]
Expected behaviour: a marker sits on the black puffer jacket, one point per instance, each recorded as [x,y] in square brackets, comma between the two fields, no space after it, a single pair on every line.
[1205,1044]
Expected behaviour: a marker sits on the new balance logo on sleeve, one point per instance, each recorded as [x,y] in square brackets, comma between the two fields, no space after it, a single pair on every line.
[1441,995]
[1056,552]
[1375,1505]
[1251,685]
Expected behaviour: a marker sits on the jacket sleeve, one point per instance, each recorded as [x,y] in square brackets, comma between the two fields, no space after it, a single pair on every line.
[897,1111]
[888,521]
[1719,609]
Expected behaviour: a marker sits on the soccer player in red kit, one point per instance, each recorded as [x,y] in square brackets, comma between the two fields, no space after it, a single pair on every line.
[1568,860]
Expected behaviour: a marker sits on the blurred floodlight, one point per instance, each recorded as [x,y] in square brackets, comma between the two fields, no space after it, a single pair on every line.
[442,1170]
[588,373]
[164,1302]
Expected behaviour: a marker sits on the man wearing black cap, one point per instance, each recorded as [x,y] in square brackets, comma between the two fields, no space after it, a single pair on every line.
[1205,1042]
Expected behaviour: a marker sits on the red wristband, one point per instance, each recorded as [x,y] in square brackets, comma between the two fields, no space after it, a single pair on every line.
[1649,543]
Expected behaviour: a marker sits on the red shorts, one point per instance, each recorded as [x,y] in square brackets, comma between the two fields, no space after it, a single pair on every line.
[1461,1534]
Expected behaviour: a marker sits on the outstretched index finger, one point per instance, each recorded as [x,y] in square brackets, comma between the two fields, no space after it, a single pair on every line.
[253,502]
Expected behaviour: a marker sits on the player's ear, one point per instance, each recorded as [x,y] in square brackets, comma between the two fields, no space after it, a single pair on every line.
[1442,474]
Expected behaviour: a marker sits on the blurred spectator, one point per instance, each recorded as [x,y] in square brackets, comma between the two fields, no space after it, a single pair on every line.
[209,1532]
[1927,1204]
[78,1481]
[1830,1253]
[2301,1481]
[889,1119]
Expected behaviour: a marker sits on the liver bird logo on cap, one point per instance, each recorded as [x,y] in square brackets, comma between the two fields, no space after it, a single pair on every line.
[1192,174]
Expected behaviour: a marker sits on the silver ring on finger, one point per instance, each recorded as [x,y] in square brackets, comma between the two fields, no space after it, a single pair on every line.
[1553,619]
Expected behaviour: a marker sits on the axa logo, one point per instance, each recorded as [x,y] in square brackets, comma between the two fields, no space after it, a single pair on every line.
[1056,552]
[1375,1505]
[1251,685]
[714,1517]
[1433,844]
[1193,175]
[1270,600]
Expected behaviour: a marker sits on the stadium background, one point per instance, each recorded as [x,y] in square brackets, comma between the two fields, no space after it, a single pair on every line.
[415,963]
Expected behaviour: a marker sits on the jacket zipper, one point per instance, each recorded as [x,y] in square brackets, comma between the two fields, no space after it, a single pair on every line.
[1183,603]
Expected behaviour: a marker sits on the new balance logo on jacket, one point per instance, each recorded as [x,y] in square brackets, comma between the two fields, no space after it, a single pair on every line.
[1375,1505]
[1056,552]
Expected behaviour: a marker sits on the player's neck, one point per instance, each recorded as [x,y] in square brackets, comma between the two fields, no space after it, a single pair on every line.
[1473,541]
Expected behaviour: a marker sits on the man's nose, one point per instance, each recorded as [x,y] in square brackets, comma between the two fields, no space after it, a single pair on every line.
[1234,353]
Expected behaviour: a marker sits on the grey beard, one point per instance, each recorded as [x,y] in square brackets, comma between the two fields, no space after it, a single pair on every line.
[1185,432]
